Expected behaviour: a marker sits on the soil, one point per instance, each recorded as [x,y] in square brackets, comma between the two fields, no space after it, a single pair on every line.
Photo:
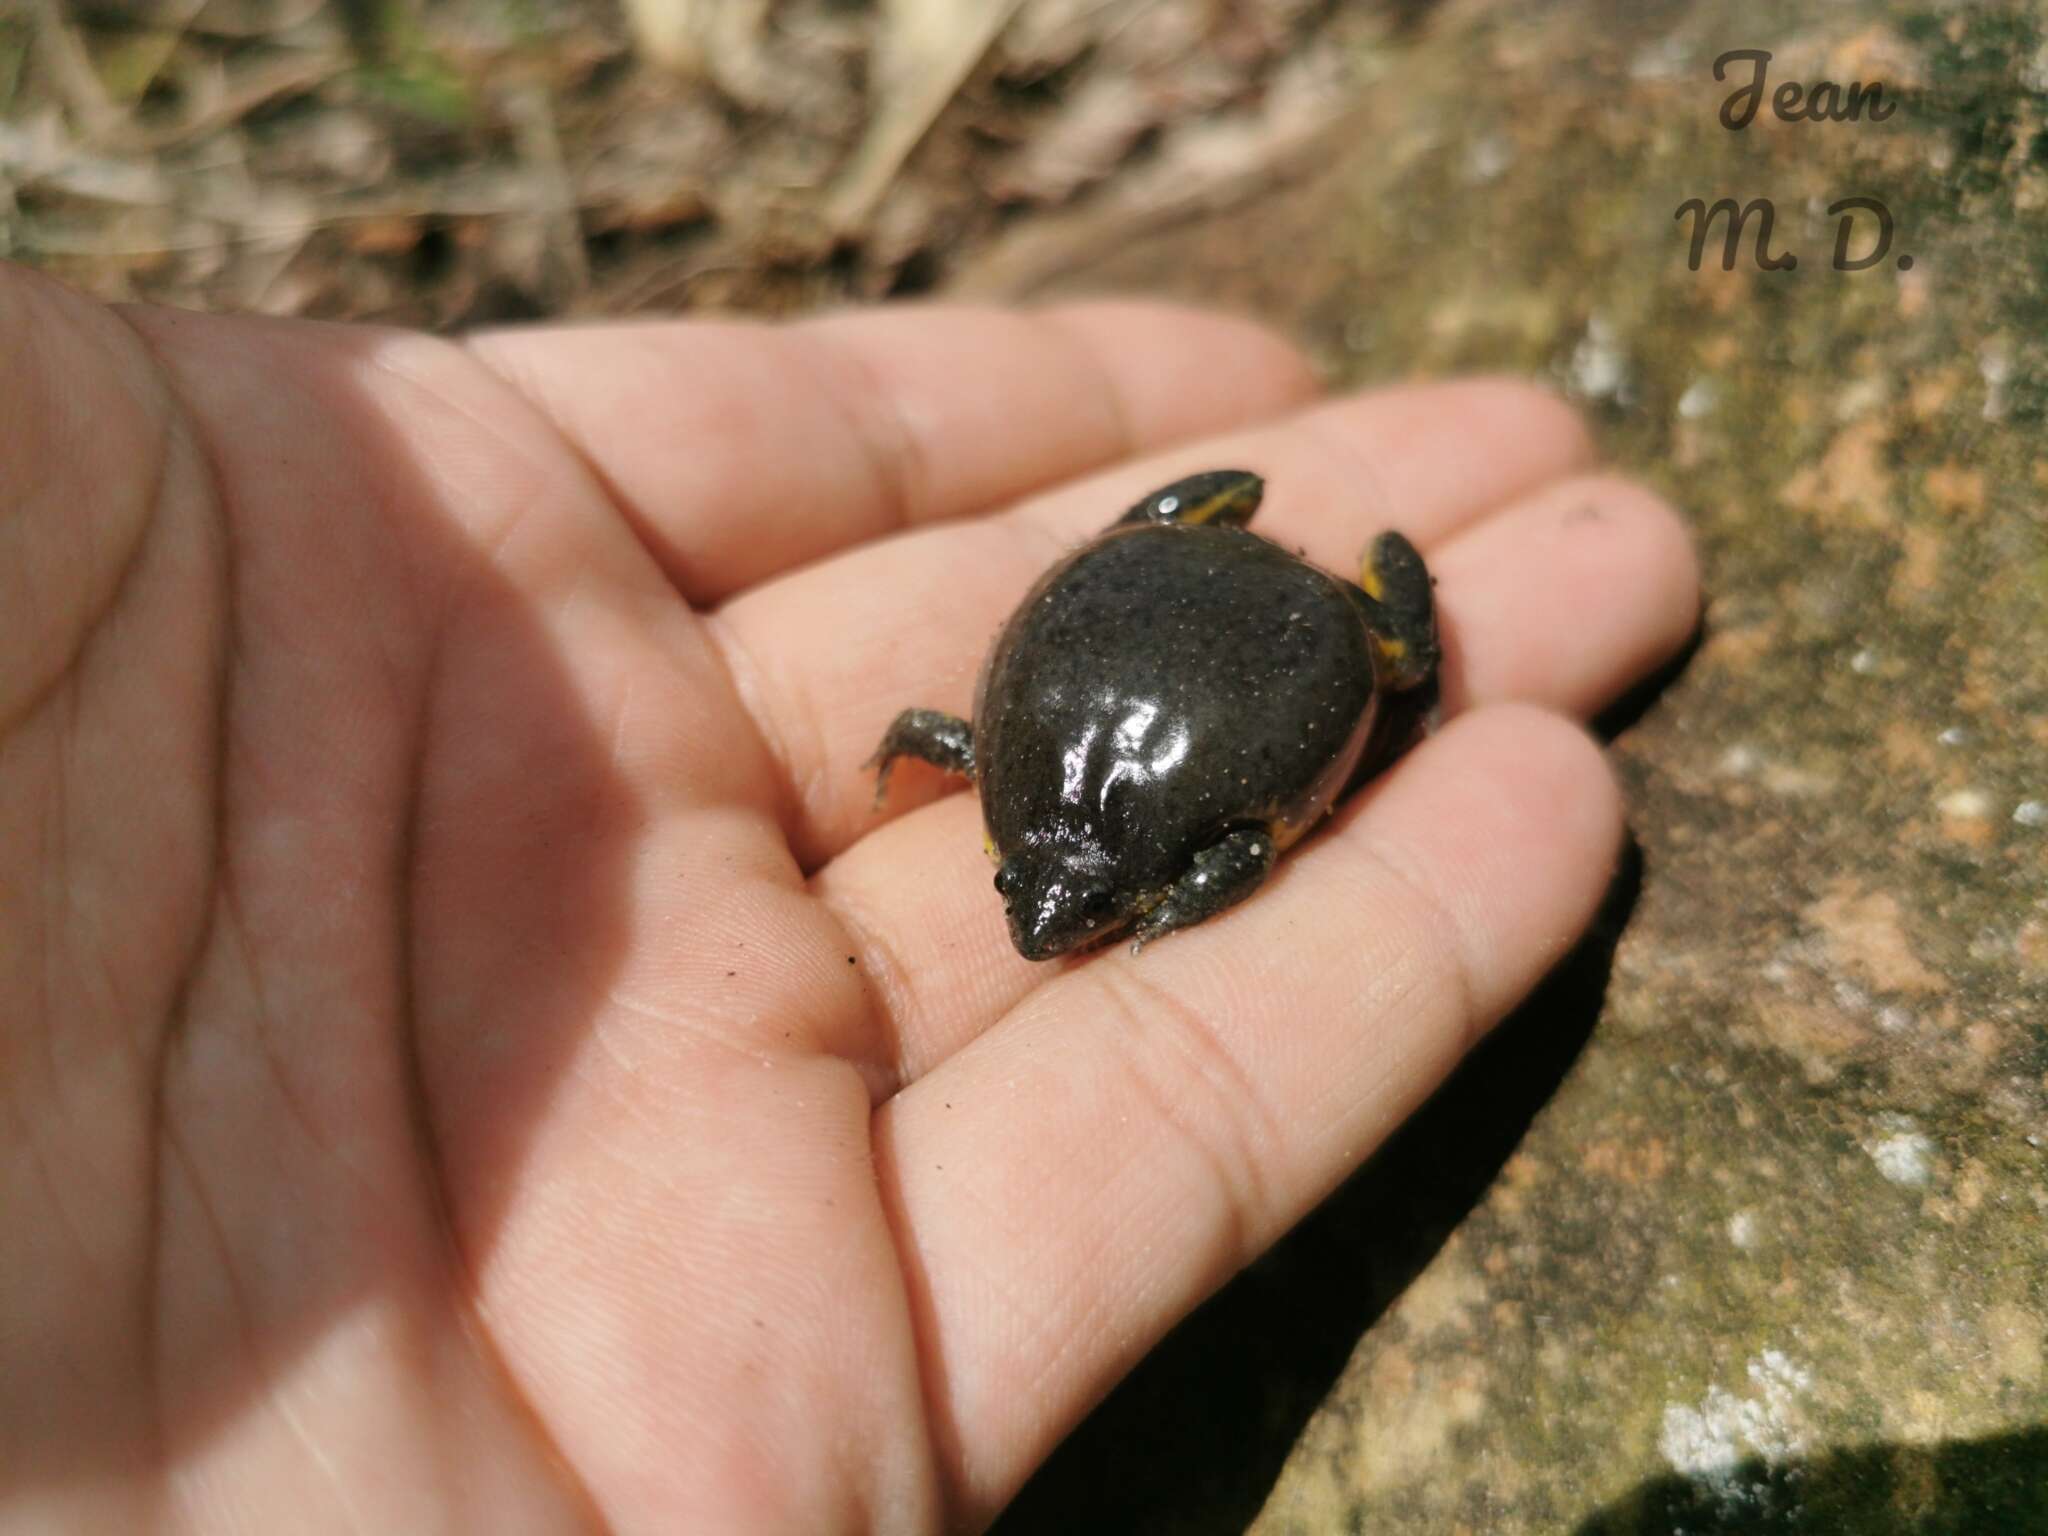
[487,160]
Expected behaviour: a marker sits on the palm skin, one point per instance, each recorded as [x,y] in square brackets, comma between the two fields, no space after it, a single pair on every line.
[471,1059]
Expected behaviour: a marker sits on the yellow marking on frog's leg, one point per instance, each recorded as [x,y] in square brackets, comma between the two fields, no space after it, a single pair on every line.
[1286,834]
[1369,578]
[1287,830]
[1214,496]
[988,846]
[1400,610]
[1240,497]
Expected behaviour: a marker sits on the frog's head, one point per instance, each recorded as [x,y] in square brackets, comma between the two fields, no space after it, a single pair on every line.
[1057,899]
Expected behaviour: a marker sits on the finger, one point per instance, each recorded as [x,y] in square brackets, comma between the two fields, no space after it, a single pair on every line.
[1565,600]
[1076,1180]
[738,450]
[827,656]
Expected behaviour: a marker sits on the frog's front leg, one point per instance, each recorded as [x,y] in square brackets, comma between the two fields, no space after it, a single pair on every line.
[1215,496]
[1222,875]
[945,741]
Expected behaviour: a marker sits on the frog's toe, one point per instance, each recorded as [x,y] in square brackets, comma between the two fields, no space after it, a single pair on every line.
[945,741]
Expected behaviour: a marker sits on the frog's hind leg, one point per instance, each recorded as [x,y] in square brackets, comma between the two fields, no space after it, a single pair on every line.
[1395,595]
[1221,876]
[1215,496]
[945,741]
[1400,610]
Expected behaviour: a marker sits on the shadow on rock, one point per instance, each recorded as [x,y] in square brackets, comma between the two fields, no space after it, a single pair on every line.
[1193,1440]
[1997,1486]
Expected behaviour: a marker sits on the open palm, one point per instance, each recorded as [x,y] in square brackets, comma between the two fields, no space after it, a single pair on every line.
[472,1058]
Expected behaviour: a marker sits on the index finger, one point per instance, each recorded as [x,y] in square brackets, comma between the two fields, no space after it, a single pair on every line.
[740,449]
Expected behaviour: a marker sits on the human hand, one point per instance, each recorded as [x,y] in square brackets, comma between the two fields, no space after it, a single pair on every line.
[472,1058]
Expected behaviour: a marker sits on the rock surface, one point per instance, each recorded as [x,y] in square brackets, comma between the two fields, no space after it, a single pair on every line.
[1743,1223]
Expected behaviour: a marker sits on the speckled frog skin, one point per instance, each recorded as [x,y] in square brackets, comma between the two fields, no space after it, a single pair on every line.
[1171,707]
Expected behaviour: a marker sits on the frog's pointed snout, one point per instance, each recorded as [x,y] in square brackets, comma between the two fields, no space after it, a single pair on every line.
[1052,907]
[1035,940]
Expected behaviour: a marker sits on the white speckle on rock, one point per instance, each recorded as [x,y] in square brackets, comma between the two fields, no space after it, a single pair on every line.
[1893,1019]
[1965,804]
[1866,394]
[1905,1156]
[1994,365]
[1598,367]
[1790,779]
[1699,398]
[2031,813]
[1864,662]
[1742,1230]
[1488,156]
[1664,59]
[2034,73]
[1709,1443]
[1954,736]
[1739,761]
[1774,1365]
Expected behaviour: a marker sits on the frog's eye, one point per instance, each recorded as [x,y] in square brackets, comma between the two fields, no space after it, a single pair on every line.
[1096,901]
[1006,879]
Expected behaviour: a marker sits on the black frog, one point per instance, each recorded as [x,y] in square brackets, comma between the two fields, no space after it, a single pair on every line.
[1172,706]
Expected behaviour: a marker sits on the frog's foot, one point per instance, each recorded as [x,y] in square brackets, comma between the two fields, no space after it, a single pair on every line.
[1222,875]
[1215,496]
[1400,611]
[945,741]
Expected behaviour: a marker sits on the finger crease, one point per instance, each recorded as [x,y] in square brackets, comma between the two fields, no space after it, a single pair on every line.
[1124,439]
[667,557]
[1237,1170]
[112,598]
[883,1067]
[1437,917]
[799,775]
[874,417]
